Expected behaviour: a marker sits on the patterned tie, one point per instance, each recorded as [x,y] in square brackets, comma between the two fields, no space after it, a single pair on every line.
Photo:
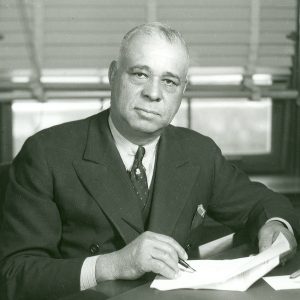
[138,176]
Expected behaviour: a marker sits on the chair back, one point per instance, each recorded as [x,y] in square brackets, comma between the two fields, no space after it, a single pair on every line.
[4,171]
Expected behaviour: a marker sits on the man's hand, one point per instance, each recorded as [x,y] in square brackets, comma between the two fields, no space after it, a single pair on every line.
[150,252]
[268,234]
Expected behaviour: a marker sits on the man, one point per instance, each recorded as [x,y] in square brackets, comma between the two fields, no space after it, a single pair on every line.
[82,207]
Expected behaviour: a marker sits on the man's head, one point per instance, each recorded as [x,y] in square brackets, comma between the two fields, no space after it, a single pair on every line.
[148,81]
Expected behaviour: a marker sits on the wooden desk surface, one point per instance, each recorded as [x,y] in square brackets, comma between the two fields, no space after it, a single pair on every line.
[140,289]
[260,290]
[279,183]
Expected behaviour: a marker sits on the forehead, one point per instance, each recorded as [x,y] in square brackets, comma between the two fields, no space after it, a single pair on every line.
[158,54]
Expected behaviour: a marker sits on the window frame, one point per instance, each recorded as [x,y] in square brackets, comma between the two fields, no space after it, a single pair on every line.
[280,159]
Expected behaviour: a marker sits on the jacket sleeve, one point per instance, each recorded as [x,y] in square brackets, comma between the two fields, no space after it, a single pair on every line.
[237,202]
[31,264]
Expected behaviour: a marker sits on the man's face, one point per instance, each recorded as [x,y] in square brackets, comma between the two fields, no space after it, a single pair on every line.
[147,86]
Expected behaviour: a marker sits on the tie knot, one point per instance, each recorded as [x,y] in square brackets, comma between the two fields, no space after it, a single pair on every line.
[140,153]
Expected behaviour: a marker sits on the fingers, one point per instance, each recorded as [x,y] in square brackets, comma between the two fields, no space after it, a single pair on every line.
[150,252]
[291,239]
[268,234]
[165,252]
[293,246]
[164,263]
[266,240]
[158,253]
[172,243]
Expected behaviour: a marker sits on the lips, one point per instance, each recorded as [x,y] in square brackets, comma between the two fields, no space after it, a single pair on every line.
[149,111]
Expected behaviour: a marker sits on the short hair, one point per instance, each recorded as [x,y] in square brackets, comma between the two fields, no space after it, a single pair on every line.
[154,28]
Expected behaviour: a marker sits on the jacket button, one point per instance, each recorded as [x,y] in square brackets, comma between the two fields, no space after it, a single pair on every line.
[94,249]
[188,246]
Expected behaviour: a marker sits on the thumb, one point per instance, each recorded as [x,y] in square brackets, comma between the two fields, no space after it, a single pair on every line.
[265,241]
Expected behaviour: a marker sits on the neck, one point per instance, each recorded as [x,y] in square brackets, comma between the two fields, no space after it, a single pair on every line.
[141,140]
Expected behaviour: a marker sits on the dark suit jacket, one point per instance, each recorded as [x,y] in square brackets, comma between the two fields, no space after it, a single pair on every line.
[69,196]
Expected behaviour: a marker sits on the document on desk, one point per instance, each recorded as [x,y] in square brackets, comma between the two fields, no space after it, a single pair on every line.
[232,274]
[283,282]
[217,246]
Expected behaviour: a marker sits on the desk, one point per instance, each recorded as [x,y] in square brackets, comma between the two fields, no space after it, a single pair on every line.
[140,289]
[259,290]
[279,183]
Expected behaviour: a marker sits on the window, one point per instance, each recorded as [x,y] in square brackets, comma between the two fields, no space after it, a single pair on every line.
[252,134]
[238,126]
[32,116]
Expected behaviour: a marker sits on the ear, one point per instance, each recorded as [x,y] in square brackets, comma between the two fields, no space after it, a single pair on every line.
[185,84]
[112,71]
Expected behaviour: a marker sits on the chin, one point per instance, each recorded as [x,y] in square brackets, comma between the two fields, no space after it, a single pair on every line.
[148,130]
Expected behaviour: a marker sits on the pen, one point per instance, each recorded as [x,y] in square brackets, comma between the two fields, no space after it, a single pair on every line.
[185,264]
[295,274]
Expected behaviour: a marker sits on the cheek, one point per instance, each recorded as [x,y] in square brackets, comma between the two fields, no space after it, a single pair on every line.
[172,106]
[128,94]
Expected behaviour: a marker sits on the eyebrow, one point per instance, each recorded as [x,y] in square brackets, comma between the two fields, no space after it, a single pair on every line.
[172,75]
[139,67]
[145,67]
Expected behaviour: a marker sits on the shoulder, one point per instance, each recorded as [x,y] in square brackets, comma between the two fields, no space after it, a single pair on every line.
[192,139]
[194,146]
[67,130]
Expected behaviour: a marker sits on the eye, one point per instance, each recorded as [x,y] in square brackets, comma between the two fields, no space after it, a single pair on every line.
[169,82]
[140,75]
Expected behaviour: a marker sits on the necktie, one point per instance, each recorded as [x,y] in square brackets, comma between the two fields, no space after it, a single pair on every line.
[138,176]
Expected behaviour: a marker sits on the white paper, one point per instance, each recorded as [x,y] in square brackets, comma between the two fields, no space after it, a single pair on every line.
[283,282]
[244,280]
[233,274]
[216,246]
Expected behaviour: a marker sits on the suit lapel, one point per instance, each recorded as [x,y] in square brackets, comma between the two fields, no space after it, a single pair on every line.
[174,178]
[103,174]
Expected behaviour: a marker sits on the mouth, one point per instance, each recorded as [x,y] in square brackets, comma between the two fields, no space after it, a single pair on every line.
[147,111]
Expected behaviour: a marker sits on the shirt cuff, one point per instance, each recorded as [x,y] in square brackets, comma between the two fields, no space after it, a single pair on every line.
[88,273]
[286,223]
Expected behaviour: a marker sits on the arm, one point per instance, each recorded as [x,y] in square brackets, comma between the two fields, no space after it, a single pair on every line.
[150,252]
[32,266]
[238,203]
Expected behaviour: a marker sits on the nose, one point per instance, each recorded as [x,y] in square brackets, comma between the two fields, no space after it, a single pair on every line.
[152,89]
